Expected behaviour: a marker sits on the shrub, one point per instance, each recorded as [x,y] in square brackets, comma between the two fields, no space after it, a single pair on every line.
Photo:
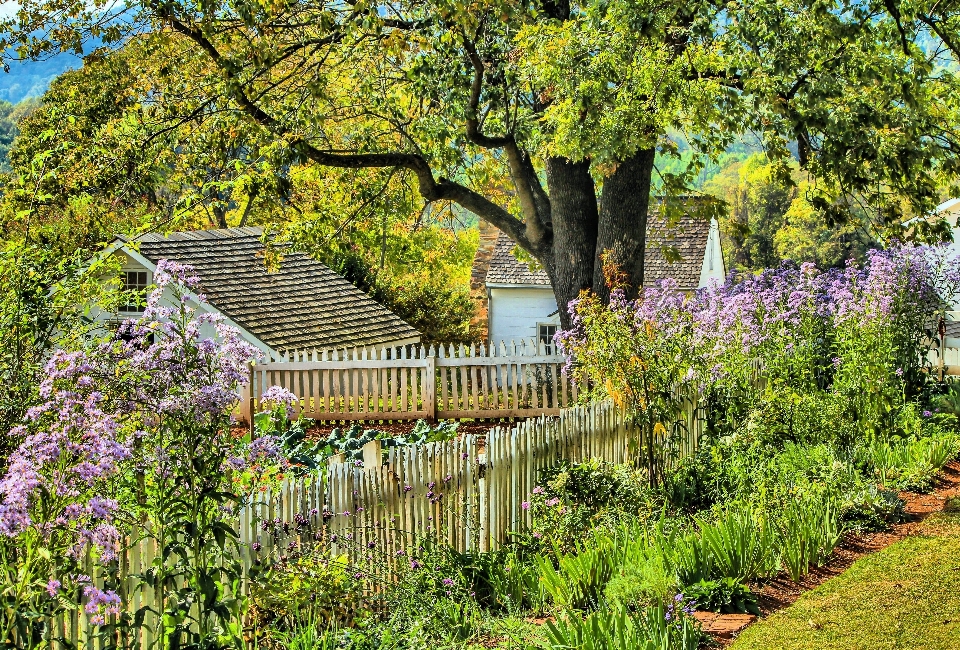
[809,530]
[871,509]
[308,586]
[655,628]
[725,595]
[644,583]
[572,498]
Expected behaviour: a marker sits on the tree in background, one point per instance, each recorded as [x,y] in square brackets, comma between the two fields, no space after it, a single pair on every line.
[544,118]
[770,219]
[84,170]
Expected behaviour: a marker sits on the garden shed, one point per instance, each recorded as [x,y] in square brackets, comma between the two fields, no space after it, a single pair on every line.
[299,305]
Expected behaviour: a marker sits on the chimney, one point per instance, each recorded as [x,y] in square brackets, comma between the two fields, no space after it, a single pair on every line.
[478,274]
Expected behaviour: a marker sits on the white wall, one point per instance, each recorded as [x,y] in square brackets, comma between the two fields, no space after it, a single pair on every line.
[712,268]
[514,312]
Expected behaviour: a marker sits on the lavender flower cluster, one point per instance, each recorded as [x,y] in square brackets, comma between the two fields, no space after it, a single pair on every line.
[177,363]
[778,311]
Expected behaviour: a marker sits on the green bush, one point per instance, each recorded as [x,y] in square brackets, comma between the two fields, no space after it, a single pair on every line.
[573,498]
[655,628]
[642,581]
[725,595]
[871,509]
[809,530]
[310,586]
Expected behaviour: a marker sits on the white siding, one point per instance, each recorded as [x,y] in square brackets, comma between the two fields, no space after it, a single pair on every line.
[712,268]
[514,312]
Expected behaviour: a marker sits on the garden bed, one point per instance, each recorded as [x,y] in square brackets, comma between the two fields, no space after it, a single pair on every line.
[781,592]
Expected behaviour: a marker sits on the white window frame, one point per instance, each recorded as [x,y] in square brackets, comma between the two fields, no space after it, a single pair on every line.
[122,309]
[550,345]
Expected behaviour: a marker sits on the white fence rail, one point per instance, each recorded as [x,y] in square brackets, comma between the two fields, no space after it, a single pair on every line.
[404,383]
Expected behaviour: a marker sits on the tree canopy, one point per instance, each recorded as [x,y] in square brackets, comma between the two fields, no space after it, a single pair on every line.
[544,118]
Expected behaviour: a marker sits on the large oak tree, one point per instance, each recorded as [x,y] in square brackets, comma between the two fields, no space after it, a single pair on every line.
[545,118]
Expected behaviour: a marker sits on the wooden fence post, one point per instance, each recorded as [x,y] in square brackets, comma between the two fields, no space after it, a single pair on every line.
[372,456]
[430,388]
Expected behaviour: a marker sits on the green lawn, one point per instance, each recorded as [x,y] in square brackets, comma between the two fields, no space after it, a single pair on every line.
[906,596]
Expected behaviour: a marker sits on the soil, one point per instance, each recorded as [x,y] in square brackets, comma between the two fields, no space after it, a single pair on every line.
[473,427]
[781,592]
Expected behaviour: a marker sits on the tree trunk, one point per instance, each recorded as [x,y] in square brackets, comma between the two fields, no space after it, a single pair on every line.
[574,215]
[622,229]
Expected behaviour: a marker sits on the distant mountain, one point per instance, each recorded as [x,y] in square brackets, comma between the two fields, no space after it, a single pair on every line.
[32,78]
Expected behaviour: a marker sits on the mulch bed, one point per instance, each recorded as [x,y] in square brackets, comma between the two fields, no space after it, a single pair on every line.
[781,592]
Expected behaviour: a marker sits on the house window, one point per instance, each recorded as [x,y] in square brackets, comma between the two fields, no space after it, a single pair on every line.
[135,284]
[545,332]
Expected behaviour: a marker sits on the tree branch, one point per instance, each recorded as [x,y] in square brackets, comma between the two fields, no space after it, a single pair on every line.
[430,189]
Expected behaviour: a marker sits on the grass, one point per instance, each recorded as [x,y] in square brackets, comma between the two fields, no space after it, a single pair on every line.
[905,597]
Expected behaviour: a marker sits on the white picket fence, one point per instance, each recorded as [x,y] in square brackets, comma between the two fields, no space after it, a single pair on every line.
[507,380]
[468,492]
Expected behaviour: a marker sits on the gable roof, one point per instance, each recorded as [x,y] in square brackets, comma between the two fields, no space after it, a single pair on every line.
[301,305]
[687,238]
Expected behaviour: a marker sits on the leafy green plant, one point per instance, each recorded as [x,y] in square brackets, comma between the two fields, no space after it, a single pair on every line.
[579,578]
[741,542]
[642,583]
[725,595]
[655,628]
[307,585]
[871,509]
[809,530]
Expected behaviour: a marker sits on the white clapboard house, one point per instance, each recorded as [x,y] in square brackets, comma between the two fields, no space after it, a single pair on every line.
[520,304]
[301,305]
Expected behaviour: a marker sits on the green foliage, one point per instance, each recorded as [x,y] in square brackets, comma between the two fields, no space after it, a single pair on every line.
[45,303]
[742,543]
[725,595]
[770,218]
[303,587]
[911,463]
[643,581]
[618,629]
[809,530]
[572,498]
[579,578]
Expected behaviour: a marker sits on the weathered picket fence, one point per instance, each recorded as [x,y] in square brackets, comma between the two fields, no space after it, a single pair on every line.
[403,383]
[469,492]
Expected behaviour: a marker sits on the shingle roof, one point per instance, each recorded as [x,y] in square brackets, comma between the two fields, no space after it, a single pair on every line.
[505,268]
[687,238]
[301,305]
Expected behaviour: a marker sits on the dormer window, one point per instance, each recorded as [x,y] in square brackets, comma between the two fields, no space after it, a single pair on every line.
[135,285]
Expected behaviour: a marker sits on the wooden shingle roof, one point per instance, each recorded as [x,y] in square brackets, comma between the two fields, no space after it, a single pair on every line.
[672,251]
[301,305]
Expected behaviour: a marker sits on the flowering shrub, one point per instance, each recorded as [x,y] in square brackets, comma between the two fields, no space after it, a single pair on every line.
[860,334]
[133,441]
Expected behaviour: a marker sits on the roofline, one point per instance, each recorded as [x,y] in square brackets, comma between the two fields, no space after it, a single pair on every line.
[517,285]
[205,307]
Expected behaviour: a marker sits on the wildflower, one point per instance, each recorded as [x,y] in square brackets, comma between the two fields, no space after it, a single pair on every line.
[525,505]
[448,582]
[53,586]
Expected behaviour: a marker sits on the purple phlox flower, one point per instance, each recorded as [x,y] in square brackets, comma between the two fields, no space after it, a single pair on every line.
[525,505]
[53,586]
[448,582]
[279,397]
